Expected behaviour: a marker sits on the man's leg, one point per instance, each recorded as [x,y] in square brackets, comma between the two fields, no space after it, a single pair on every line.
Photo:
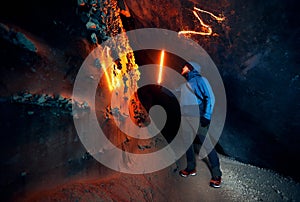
[209,148]
[191,163]
[189,133]
[190,158]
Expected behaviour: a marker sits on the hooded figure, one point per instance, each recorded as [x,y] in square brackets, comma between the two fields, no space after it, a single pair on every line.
[197,99]
[196,92]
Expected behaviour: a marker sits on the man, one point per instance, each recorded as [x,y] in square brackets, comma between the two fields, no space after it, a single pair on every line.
[203,94]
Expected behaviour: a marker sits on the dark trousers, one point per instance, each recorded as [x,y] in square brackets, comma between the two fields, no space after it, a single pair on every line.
[207,148]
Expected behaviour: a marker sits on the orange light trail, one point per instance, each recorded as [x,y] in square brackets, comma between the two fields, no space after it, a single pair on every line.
[109,83]
[108,79]
[211,14]
[162,55]
[209,29]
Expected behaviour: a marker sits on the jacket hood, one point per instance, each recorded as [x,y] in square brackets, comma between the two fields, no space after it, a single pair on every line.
[196,66]
[192,74]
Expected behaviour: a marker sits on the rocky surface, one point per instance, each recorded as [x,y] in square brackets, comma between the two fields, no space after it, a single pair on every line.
[101,18]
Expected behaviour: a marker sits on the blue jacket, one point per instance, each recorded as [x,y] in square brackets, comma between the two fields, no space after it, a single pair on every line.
[204,97]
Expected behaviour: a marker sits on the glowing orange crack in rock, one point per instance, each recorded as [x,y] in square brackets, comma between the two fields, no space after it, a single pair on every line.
[108,79]
[162,55]
[202,23]
[106,68]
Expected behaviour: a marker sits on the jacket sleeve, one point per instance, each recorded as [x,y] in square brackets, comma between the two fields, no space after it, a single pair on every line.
[208,98]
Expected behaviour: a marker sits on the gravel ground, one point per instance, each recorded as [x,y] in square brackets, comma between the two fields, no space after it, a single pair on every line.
[244,182]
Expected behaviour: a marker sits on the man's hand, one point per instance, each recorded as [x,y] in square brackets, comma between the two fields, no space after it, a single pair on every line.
[204,121]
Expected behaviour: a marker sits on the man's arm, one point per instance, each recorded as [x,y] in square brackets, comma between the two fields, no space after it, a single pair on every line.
[208,98]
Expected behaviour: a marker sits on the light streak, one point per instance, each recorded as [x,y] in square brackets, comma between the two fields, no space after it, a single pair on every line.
[209,29]
[211,14]
[108,78]
[162,55]
[106,57]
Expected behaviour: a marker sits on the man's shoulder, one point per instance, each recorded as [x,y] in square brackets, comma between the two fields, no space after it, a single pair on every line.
[198,78]
[199,81]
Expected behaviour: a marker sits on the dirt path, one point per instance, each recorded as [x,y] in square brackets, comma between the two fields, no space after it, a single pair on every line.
[250,183]
[196,188]
[241,182]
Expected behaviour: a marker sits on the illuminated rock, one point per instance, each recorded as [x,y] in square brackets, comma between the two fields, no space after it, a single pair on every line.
[92,26]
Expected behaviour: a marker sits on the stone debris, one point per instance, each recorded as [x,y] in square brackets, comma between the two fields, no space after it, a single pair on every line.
[17,38]
[139,113]
[94,38]
[101,17]
[23,41]
[81,2]
[114,113]
[92,26]
[143,147]
[45,100]
[97,63]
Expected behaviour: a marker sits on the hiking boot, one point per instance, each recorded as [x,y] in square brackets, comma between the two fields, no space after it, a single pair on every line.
[184,173]
[215,182]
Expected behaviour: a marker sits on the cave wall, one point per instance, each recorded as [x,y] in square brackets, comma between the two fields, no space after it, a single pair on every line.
[41,150]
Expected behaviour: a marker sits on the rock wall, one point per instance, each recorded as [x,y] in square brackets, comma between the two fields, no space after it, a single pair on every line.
[41,148]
